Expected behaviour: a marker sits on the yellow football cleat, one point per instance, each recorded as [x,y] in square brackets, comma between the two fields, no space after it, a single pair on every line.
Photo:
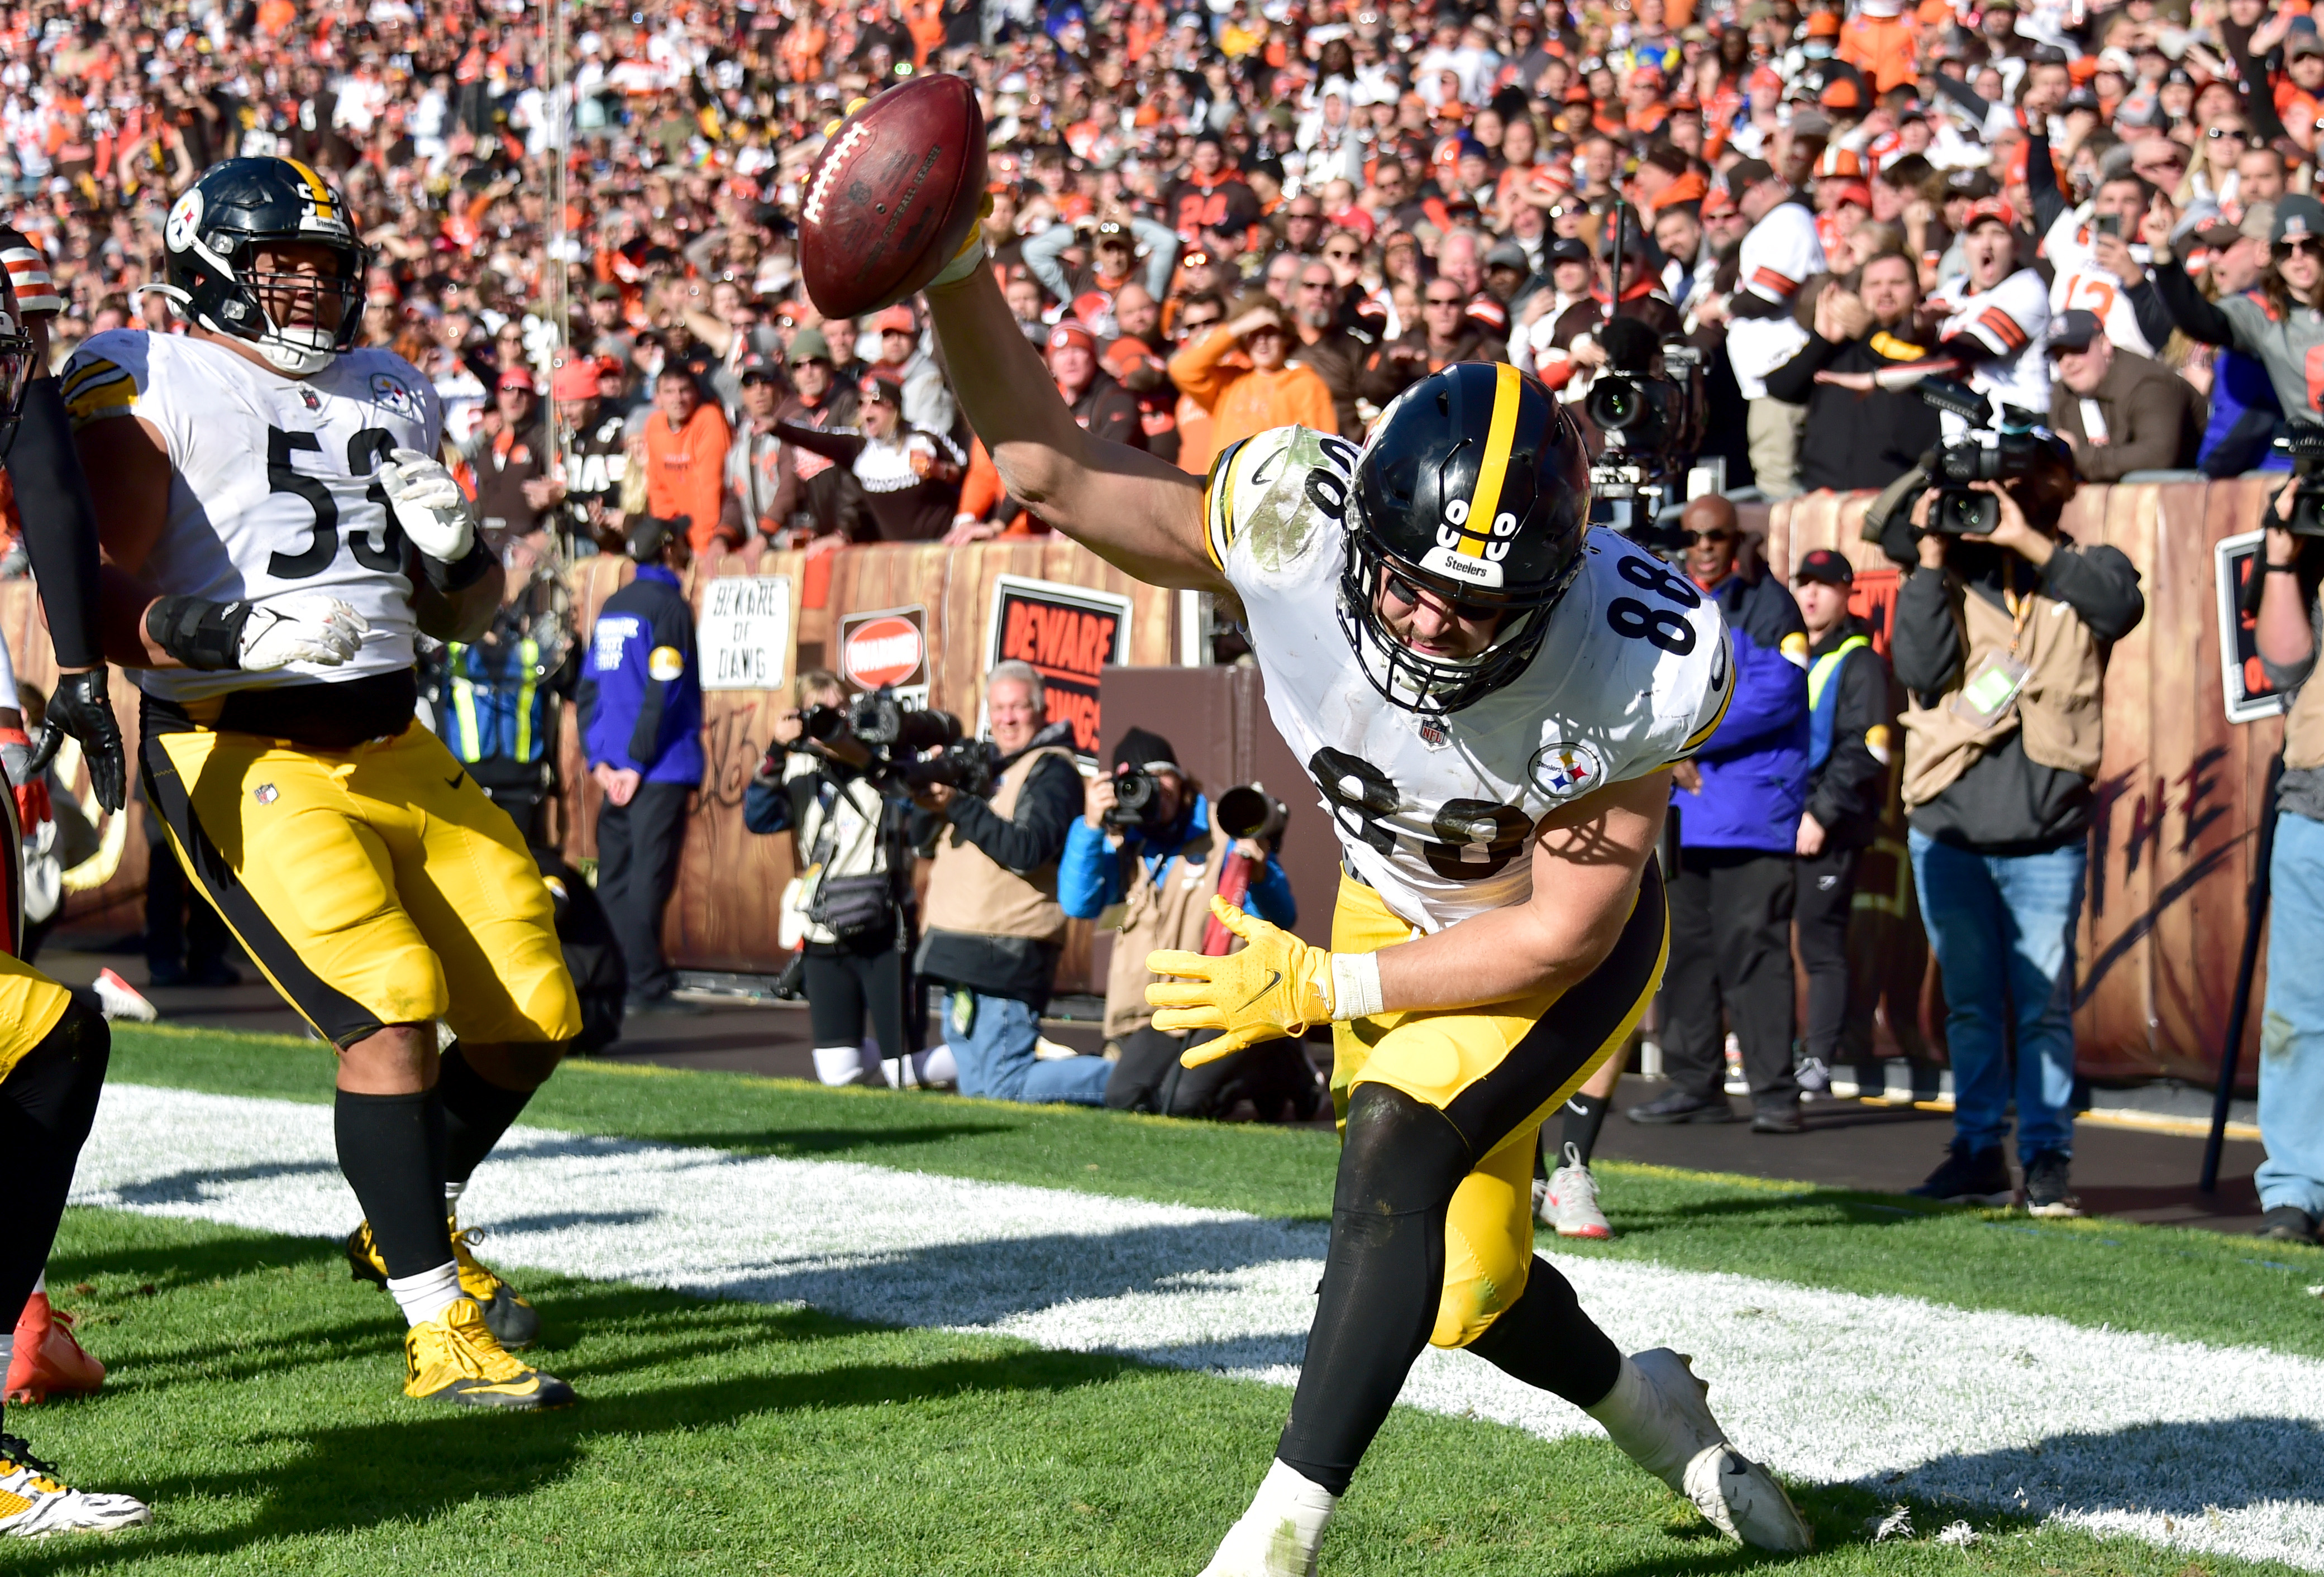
[514,1321]
[455,1359]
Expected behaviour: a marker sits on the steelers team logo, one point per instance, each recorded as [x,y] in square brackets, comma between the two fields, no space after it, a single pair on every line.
[1563,769]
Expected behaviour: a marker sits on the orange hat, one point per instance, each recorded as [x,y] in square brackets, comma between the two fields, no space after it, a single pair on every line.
[1717,202]
[576,380]
[1072,333]
[1843,162]
[1823,24]
[1854,191]
[895,319]
[1984,208]
[1841,93]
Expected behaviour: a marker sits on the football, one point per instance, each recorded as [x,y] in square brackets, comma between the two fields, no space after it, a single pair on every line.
[892,195]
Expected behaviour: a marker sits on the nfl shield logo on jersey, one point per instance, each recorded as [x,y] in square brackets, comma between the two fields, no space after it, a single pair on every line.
[1561,770]
[265,794]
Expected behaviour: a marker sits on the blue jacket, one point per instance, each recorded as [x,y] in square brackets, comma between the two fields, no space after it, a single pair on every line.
[1755,768]
[2244,418]
[1090,875]
[641,695]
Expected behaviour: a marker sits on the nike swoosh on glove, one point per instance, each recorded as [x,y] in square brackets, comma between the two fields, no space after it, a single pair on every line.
[81,705]
[1276,985]
[310,628]
[428,505]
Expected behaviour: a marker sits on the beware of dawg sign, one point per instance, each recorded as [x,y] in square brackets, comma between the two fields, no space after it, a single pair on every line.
[744,631]
[1070,634]
[889,648]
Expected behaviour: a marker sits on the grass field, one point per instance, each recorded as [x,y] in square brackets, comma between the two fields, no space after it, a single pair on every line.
[961,1338]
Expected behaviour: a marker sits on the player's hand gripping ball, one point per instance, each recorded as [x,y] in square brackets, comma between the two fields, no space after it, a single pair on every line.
[1276,985]
[894,197]
[428,505]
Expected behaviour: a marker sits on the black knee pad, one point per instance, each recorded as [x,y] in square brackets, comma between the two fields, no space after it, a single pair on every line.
[1400,1156]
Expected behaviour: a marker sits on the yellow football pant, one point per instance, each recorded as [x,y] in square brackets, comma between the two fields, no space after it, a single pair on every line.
[375,886]
[31,1003]
[1497,1073]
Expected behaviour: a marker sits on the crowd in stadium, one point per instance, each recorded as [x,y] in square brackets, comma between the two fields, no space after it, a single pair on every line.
[1235,215]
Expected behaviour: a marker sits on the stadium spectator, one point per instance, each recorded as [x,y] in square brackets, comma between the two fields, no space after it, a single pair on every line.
[2120,411]
[762,477]
[686,444]
[2000,641]
[1243,375]
[1738,802]
[509,451]
[993,921]
[909,480]
[1780,252]
[1858,436]
[1103,406]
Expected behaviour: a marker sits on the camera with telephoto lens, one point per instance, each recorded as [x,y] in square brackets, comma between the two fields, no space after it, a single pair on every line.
[1648,405]
[1137,800]
[900,739]
[2014,448]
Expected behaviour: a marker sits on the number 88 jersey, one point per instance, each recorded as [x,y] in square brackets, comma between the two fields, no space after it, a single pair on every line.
[1437,813]
[272,491]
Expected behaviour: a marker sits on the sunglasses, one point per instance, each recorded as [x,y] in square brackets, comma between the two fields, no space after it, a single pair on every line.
[1340,254]
[1442,301]
[2304,247]
[1401,590]
[2215,133]
[1196,325]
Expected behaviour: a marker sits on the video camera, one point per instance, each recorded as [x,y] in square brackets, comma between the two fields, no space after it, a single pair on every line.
[2305,442]
[900,739]
[1649,405]
[2004,451]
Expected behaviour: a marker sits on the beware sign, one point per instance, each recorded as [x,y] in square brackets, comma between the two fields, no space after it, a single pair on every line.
[2248,695]
[745,632]
[1070,634]
[887,647]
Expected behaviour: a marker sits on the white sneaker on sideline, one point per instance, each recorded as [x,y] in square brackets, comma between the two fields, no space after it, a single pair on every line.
[1570,1204]
[1659,1414]
[117,999]
[1281,1533]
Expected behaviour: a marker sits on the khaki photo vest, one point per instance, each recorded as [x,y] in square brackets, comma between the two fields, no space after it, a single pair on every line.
[1172,912]
[2058,709]
[969,891]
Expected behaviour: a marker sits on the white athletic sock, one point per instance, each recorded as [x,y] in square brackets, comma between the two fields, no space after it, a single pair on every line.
[934,1066]
[1288,1503]
[452,1192]
[425,1296]
[41,1282]
[838,1065]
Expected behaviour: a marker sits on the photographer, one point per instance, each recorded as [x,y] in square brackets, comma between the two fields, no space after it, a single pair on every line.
[854,895]
[1154,865]
[2001,640]
[2291,1048]
[994,925]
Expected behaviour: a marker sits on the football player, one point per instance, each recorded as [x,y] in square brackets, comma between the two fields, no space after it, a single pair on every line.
[53,1047]
[1488,697]
[279,530]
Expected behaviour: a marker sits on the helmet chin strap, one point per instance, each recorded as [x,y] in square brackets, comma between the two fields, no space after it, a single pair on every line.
[287,355]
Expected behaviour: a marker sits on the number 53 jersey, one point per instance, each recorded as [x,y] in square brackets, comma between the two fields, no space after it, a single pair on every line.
[272,491]
[1438,813]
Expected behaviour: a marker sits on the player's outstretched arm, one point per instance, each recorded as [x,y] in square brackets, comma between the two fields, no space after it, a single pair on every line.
[1586,861]
[1139,514]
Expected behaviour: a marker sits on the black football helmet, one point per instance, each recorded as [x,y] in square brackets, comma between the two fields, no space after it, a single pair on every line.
[1473,485]
[215,236]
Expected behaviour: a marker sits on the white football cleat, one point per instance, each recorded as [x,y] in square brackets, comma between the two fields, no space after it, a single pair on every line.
[1281,1533]
[33,1504]
[1659,1414]
[1570,1204]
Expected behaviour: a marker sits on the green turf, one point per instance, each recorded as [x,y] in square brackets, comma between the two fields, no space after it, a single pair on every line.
[254,1403]
[2176,1282]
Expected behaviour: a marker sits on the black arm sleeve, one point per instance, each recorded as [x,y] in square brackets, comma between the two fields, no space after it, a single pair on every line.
[842,447]
[1849,787]
[1925,645]
[2101,585]
[1794,380]
[1045,808]
[2042,182]
[2188,309]
[60,525]
[2154,317]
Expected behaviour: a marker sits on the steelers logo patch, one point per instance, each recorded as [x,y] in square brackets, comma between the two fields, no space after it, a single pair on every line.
[666,663]
[1565,771]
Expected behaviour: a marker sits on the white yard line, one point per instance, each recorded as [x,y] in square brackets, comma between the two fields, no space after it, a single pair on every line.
[2197,1447]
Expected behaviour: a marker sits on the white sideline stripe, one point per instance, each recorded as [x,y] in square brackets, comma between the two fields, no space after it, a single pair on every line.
[2200,1448]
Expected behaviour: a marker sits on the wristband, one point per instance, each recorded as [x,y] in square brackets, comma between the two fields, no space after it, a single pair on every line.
[1355,985]
[198,633]
[2291,568]
[461,572]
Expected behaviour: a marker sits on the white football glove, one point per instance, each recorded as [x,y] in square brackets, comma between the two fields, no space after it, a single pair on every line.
[428,505]
[310,628]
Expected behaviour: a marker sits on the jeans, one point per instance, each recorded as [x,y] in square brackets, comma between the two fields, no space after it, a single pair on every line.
[2003,928]
[996,1062]
[2291,1033]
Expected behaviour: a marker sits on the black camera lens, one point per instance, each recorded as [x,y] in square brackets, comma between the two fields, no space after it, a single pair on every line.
[1135,797]
[1616,404]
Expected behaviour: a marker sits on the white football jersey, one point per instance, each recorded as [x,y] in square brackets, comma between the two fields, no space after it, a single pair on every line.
[2011,320]
[1634,674]
[271,491]
[2081,283]
[1778,255]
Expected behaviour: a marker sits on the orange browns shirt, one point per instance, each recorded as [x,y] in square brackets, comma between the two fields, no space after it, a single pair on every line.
[1243,401]
[1883,48]
[685,470]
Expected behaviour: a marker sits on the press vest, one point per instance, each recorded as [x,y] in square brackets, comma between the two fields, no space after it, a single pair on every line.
[2058,709]
[1823,699]
[969,891]
[1168,909]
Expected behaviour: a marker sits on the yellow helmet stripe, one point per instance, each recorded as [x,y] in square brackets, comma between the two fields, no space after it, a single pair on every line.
[316,185]
[1493,469]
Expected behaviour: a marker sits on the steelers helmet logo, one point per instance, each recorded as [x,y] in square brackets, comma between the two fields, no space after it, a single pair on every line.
[185,223]
[1567,769]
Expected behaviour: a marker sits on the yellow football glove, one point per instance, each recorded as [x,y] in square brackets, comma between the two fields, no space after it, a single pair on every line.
[971,251]
[1276,985]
